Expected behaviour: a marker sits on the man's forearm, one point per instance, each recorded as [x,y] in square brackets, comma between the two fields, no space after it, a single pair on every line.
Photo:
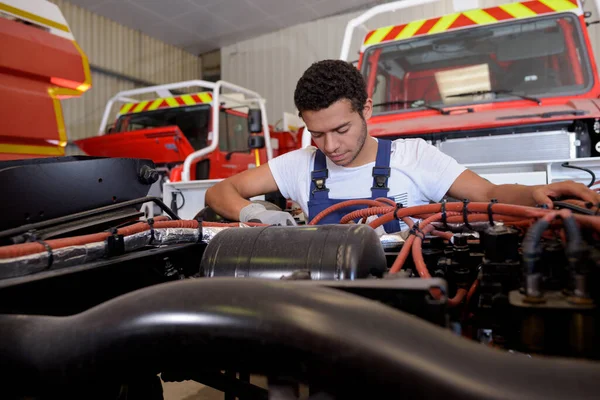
[513,194]
[225,200]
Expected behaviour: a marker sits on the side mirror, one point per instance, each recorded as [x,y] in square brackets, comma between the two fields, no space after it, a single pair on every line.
[254,121]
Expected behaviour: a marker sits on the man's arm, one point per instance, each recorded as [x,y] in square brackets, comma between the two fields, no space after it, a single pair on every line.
[471,186]
[228,197]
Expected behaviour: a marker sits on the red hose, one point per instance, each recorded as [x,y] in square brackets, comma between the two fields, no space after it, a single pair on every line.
[367,202]
[23,249]
[499,209]
[472,290]
[457,299]
[386,200]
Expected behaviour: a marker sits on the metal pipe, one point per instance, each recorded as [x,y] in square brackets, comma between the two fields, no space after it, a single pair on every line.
[185,175]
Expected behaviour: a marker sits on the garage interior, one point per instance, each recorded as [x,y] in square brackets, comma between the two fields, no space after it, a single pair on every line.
[126,121]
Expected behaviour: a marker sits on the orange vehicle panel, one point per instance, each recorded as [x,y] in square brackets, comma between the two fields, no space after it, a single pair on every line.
[37,69]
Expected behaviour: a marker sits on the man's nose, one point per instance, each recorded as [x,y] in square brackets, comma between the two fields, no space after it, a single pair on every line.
[330,144]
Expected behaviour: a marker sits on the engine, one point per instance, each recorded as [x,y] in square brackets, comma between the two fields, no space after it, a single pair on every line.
[90,290]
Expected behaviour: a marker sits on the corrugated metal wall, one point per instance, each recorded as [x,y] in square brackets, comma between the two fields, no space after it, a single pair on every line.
[271,64]
[122,50]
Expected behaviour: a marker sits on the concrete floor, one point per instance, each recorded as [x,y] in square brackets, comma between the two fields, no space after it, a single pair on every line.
[189,390]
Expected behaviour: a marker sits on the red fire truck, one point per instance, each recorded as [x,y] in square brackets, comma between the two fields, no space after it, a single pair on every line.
[511,91]
[184,120]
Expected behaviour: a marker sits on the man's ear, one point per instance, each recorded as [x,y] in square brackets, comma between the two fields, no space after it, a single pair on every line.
[368,109]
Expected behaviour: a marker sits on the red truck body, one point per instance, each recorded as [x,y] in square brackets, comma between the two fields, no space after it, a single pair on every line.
[168,130]
[524,71]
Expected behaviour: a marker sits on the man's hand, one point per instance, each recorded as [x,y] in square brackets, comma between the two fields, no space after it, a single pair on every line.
[228,197]
[542,194]
[471,186]
[259,213]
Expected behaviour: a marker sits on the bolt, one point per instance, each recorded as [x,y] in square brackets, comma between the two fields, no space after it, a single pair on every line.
[148,175]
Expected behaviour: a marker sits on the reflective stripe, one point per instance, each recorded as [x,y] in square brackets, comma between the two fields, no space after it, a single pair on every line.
[518,10]
[167,102]
[379,34]
[485,16]
[172,102]
[444,23]
[480,17]
[56,94]
[33,17]
[87,83]
[187,99]
[34,150]
[140,106]
[410,29]
[558,5]
[126,107]
[205,97]
[155,104]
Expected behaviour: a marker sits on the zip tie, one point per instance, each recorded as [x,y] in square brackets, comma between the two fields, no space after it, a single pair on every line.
[465,212]
[444,216]
[50,253]
[398,207]
[416,230]
[489,209]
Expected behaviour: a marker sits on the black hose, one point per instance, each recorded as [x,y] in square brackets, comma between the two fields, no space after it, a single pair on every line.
[532,249]
[573,207]
[589,171]
[574,241]
[344,344]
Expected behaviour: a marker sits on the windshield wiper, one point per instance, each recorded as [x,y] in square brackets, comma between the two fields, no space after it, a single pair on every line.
[498,91]
[415,103]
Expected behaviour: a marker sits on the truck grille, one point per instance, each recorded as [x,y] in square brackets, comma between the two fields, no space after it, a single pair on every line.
[554,145]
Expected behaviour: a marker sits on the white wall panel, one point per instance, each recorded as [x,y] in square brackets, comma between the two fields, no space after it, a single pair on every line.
[594,30]
[271,64]
[122,50]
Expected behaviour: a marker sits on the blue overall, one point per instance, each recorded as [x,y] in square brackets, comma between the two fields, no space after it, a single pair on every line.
[318,199]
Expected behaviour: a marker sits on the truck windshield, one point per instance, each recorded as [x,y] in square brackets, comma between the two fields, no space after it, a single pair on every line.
[541,57]
[193,122]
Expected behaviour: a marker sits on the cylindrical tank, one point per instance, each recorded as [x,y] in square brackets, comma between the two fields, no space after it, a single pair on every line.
[328,252]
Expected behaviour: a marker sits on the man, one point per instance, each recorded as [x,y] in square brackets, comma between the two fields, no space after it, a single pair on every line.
[348,163]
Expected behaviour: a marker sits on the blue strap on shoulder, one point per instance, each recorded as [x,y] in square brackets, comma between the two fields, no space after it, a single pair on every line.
[382,170]
[318,176]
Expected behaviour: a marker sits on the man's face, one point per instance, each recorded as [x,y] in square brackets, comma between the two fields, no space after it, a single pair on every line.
[339,131]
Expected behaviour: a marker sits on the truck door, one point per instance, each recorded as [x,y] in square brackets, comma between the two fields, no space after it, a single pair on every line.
[233,155]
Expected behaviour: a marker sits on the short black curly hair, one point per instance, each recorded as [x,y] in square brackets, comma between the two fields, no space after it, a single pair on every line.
[328,81]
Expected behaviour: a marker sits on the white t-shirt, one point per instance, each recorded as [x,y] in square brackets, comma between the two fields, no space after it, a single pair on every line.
[420,173]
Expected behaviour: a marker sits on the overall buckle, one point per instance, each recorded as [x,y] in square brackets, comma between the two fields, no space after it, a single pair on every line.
[380,175]
[318,178]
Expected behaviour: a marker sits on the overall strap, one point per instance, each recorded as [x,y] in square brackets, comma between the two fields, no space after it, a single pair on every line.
[318,176]
[381,170]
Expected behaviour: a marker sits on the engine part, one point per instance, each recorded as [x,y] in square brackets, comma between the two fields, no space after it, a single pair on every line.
[66,185]
[336,252]
[501,266]
[500,273]
[556,325]
[346,345]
